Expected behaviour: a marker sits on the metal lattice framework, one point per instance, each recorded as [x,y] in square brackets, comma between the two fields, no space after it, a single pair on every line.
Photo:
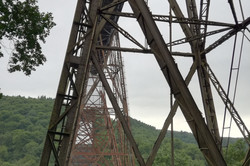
[90,122]
[100,139]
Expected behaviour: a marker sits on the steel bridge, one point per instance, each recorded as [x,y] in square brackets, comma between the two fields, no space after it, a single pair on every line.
[89,124]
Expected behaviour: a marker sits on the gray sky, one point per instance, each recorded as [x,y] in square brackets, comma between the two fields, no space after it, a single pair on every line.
[148,92]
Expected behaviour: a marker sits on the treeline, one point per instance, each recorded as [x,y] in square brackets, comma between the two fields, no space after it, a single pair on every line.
[24,121]
[186,151]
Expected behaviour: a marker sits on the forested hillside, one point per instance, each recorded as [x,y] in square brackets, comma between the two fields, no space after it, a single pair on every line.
[23,124]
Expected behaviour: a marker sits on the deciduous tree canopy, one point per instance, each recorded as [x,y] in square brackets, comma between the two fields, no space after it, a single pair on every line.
[22,23]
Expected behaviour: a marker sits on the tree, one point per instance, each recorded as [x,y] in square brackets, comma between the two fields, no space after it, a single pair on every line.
[236,153]
[4,152]
[22,23]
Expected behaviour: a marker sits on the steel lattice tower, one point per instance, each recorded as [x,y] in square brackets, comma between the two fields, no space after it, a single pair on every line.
[100,139]
[86,129]
[90,123]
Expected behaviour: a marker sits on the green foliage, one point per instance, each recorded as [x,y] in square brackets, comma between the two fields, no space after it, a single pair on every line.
[1,94]
[186,151]
[23,123]
[145,135]
[185,154]
[235,153]
[23,126]
[23,23]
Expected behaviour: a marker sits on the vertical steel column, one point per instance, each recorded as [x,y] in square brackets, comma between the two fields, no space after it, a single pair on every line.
[205,87]
[60,130]
[175,80]
[197,46]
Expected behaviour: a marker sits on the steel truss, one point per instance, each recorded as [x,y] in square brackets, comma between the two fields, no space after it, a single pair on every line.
[90,123]
[83,126]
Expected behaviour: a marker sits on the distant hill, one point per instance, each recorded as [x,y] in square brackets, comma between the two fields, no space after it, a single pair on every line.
[184,136]
[24,121]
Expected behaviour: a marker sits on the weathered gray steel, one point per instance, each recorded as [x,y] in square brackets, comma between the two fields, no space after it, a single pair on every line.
[176,82]
[228,103]
[144,51]
[168,120]
[196,47]
[206,92]
[228,35]
[67,99]
[83,38]
[230,108]
[166,18]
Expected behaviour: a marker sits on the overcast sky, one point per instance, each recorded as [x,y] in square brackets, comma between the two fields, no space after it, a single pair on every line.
[148,92]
